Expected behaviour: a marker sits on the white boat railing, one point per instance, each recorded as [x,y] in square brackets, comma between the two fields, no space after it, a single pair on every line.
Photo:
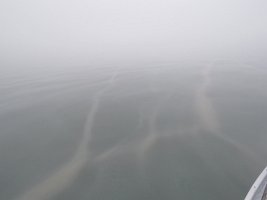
[258,191]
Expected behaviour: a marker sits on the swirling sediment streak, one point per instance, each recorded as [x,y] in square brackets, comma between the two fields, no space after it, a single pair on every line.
[153,134]
[208,115]
[205,109]
[65,176]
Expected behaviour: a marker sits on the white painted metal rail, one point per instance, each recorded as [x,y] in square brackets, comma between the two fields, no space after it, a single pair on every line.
[258,191]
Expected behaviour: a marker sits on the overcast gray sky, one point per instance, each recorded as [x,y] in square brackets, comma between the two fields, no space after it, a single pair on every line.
[82,31]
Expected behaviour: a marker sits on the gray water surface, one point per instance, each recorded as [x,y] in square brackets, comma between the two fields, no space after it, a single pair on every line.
[168,131]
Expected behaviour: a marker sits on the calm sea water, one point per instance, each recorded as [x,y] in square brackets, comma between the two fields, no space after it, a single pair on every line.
[165,131]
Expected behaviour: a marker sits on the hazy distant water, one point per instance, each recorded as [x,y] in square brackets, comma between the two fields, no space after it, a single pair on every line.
[168,131]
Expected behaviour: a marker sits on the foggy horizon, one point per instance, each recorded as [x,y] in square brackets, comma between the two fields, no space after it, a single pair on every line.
[90,32]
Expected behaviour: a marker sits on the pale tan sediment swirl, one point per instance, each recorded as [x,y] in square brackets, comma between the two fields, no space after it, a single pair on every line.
[205,109]
[66,174]
[208,115]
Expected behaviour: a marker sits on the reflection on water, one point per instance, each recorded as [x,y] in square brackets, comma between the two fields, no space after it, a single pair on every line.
[157,132]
